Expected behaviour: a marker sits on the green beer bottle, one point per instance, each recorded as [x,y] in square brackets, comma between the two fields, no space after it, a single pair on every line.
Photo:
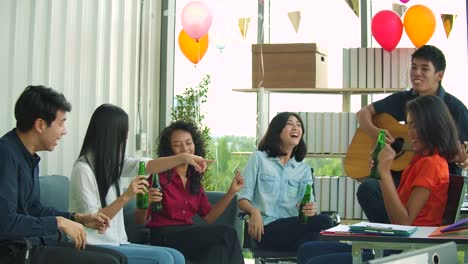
[142,199]
[379,145]
[302,217]
[156,206]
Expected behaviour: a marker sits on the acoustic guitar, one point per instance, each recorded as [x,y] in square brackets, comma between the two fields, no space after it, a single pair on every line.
[356,162]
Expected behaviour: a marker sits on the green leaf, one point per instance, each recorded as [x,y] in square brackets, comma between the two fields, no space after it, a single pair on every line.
[188,108]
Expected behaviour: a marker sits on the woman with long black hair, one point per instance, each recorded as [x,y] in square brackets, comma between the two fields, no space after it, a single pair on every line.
[96,183]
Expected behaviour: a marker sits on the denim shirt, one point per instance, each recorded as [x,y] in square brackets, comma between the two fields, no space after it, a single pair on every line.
[274,188]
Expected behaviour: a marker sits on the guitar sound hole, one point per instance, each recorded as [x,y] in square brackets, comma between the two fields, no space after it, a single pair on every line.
[397,145]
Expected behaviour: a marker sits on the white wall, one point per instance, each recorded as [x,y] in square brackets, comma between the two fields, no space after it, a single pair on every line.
[86,49]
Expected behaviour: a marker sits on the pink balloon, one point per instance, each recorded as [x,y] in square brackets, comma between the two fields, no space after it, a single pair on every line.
[387,29]
[404,1]
[196,19]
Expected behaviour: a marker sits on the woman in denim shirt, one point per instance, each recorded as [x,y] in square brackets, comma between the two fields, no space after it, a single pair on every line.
[275,179]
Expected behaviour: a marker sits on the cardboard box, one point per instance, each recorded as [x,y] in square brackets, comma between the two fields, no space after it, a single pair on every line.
[292,65]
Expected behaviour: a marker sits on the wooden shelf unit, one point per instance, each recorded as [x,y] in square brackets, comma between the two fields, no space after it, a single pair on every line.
[263,98]
[343,91]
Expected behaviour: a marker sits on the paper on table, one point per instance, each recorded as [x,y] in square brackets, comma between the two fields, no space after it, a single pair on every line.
[382,229]
[339,229]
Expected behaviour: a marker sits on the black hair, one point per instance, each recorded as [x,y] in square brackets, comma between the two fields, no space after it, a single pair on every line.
[104,147]
[271,142]
[434,125]
[38,102]
[165,149]
[432,54]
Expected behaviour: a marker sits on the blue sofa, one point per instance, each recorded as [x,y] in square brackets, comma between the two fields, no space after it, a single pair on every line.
[55,188]
[140,234]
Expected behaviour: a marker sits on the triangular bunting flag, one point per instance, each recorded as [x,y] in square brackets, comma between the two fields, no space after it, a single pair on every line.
[448,20]
[354,5]
[399,9]
[244,25]
[295,18]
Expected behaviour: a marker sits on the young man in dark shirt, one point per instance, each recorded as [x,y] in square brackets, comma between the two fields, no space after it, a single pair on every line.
[427,70]
[26,225]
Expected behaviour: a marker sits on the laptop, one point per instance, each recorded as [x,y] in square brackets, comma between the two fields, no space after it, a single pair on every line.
[439,254]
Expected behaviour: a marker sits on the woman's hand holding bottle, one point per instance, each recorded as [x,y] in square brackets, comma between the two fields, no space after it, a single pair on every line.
[154,195]
[138,185]
[386,157]
[309,209]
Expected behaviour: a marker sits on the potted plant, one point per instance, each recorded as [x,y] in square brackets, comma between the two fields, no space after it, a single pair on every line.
[187,107]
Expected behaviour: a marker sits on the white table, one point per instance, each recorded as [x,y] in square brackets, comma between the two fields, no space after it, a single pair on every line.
[419,239]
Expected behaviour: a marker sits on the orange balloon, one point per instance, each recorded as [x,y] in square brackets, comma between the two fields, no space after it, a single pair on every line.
[192,49]
[419,23]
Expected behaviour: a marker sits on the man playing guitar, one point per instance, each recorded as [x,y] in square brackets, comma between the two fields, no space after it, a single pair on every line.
[427,70]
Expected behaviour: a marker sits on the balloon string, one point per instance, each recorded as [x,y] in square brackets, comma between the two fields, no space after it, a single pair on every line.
[262,67]
[388,53]
[199,51]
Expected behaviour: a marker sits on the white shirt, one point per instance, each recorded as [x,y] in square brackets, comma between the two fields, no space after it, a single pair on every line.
[84,199]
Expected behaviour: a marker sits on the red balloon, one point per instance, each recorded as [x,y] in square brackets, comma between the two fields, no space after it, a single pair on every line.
[387,29]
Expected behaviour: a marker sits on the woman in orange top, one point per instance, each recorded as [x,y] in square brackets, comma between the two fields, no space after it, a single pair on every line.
[424,183]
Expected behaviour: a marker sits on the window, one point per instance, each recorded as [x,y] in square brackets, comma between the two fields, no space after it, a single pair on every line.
[332,24]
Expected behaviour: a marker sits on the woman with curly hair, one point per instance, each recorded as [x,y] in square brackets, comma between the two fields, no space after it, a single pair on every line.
[96,183]
[183,197]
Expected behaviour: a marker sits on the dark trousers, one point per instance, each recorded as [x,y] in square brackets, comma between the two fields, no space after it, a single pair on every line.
[204,244]
[370,198]
[61,253]
[289,234]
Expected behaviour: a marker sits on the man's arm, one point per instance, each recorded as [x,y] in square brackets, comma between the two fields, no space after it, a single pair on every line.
[38,210]
[460,116]
[393,105]
[365,116]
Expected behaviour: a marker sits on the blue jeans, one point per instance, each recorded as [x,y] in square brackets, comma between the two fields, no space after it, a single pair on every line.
[144,254]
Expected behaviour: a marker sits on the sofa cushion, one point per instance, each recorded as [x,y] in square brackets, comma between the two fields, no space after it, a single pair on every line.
[136,233]
[54,191]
